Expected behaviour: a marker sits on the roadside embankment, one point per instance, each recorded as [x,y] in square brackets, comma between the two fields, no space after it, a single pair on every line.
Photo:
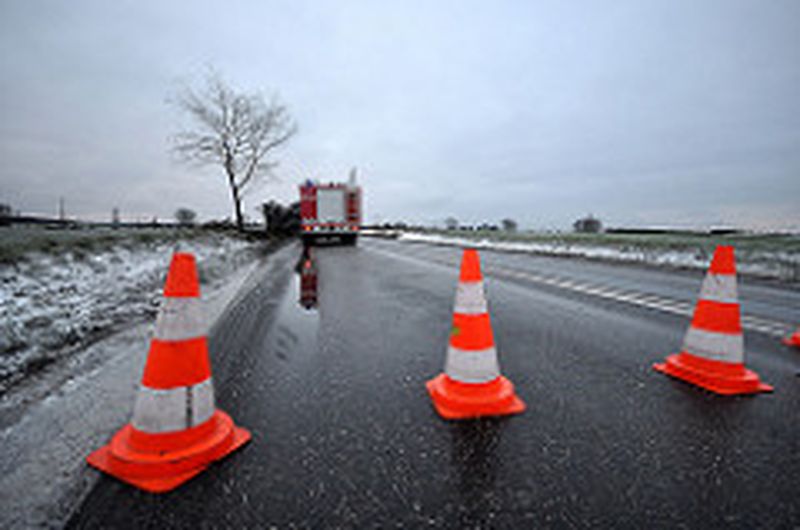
[61,290]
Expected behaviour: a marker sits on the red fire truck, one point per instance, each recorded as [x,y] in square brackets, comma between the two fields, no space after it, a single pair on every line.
[330,212]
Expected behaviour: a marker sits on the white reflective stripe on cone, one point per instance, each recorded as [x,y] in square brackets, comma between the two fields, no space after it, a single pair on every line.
[470,299]
[203,401]
[467,366]
[719,288]
[714,346]
[181,319]
[176,409]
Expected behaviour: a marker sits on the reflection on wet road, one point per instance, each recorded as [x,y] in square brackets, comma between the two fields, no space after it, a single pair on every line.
[307,269]
[325,362]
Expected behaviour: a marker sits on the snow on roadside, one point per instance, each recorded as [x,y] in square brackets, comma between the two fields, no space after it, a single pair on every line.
[53,305]
[777,265]
[44,452]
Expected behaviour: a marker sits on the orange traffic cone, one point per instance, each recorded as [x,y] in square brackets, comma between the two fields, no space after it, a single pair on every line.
[472,385]
[793,339]
[176,431]
[713,350]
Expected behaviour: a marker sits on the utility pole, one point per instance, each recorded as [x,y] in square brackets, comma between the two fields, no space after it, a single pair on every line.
[61,214]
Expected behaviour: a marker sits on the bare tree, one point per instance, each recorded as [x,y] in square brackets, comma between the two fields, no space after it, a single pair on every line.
[235,130]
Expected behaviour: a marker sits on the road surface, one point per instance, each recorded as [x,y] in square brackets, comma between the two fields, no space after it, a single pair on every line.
[344,435]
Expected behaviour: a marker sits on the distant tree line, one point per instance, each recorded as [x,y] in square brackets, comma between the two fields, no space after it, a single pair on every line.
[185,216]
[508,225]
[6,212]
[588,225]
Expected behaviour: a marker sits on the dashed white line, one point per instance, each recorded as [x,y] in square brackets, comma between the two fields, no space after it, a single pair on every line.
[648,300]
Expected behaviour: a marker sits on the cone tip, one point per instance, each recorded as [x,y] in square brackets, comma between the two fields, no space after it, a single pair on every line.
[470,266]
[182,279]
[724,261]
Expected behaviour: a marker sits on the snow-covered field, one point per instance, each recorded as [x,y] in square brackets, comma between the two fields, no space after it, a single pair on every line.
[50,423]
[764,256]
[65,291]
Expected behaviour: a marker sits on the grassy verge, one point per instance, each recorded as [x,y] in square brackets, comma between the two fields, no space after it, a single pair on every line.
[18,241]
[788,243]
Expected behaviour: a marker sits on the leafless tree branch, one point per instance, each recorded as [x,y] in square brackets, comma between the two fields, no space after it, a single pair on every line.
[239,132]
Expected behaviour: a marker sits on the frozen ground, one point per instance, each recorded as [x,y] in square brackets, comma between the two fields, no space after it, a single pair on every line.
[68,290]
[776,257]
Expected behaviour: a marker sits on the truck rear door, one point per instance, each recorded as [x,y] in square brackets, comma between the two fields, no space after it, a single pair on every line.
[330,206]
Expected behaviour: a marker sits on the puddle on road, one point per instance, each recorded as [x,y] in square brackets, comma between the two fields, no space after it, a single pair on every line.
[298,324]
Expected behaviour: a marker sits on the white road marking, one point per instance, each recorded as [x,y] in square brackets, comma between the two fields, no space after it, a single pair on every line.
[648,300]
[651,301]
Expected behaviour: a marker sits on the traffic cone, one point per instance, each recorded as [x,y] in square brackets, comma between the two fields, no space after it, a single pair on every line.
[793,339]
[471,385]
[176,430]
[712,356]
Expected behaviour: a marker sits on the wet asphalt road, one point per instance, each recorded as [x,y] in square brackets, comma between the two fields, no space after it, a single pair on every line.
[344,435]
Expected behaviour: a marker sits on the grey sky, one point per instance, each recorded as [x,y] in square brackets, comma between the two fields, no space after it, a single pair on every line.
[643,112]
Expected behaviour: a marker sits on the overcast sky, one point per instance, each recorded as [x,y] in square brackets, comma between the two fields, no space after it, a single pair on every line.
[683,113]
